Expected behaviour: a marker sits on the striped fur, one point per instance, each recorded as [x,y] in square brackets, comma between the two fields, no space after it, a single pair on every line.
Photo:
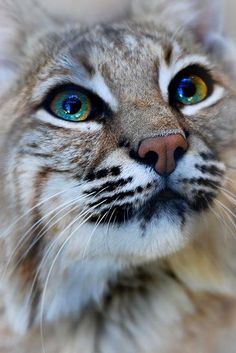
[90,250]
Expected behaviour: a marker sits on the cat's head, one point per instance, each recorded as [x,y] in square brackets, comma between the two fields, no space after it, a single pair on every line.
[116,150]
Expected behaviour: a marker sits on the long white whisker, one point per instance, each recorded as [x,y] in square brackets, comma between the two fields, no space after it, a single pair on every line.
[226,211]
[228,193]
[225,207]
[33,208]
[48,278]
[42,233]
[221,219]
[92,233]
[83,213]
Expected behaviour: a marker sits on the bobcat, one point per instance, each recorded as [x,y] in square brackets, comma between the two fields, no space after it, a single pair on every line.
[118,180]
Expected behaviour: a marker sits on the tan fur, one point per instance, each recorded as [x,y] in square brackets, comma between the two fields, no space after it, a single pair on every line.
[70,282]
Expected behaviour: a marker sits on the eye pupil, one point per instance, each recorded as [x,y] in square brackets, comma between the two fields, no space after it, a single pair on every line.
[72,105]
[187,88]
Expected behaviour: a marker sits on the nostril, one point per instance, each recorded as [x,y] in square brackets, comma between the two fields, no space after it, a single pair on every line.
[179,153]
[187,134]
[151,158]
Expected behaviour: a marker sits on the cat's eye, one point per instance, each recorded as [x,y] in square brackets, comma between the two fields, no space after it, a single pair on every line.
[191,90]
[191,86]
[76,104]
[70,104]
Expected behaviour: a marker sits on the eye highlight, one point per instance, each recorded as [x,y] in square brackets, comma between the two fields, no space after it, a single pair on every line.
[71,105]
[190,86]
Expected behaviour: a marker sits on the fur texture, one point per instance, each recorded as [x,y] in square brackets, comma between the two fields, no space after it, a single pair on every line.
[93,259]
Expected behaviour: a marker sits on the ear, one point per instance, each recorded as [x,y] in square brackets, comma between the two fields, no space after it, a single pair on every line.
[208,28]
[203,16]
[205,19]
[209,19]
[19,20]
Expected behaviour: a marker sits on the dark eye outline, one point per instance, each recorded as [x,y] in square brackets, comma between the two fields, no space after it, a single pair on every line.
[192,70]
[99,109]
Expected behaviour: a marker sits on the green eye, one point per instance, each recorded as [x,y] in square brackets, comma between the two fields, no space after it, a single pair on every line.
[191,90]
[71,105]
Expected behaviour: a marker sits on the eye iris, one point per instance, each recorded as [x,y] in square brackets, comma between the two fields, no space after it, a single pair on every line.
[71,105]
[192,90]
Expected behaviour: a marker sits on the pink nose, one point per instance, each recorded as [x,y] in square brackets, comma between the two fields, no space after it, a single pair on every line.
[163,152]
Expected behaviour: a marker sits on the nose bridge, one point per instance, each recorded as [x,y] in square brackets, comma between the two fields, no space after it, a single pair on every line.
[143,121]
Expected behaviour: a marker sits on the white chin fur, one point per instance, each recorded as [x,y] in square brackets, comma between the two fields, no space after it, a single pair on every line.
[93,258]
[162,237]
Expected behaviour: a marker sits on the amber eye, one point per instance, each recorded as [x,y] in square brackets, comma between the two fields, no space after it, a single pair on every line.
[191,86]
[71,105]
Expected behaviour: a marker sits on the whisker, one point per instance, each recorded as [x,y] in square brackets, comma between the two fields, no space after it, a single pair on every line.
[232,231]
[37,239]
[222,220]
[32,209]
[230,167]
[109,224]
[23,240]
[229,195]
[48,278]
[230,179]
[93,232]
[83,213]
[44,229]
[225,207]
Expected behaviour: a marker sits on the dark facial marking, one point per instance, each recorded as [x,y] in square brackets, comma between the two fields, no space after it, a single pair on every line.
[116,214]
[109,186]
[202,200]
[103,173]
[211,169]
[208,156]
[201,181]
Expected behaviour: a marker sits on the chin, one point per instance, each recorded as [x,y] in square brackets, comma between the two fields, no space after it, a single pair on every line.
[164,231]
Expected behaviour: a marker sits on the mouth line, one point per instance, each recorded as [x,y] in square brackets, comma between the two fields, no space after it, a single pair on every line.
[165,200]
[168,195]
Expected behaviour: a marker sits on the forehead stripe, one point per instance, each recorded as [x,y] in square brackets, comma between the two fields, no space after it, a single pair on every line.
[97,85]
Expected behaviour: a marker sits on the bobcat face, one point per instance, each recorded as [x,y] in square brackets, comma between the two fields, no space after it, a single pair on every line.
[111,178]
[125,172]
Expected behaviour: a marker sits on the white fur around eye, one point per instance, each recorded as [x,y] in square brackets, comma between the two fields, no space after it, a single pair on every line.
[217,95]
[190,60]
[168,73]
[84,126]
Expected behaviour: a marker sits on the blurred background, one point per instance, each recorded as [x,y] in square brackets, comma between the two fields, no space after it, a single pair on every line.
[231,16]
[93,11]
[100,10]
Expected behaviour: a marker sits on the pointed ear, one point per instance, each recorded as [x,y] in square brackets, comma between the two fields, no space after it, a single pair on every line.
[205,19]
[208,28]
[209,19]
[19,20]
